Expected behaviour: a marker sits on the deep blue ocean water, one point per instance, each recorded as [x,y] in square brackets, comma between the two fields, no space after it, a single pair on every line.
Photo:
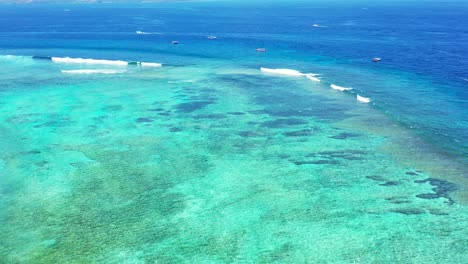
[423,46]
[209,160]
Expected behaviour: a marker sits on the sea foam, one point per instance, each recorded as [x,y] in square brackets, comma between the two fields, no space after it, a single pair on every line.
[287,72]
[10,57]
[340,88]
[312,77]
[96,71]
[150,64]
[290,72]
[147,33]
[69,60]
[363,99]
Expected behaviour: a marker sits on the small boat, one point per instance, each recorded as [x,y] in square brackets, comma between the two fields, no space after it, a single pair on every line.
[212,37]
[316,25]
[261,50]
[376,59]
[175,42]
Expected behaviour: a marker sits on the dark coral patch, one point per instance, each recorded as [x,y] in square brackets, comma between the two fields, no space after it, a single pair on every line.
[41,163]
[113,108]
[441,189]
[143,120]
[339,154]
[236,113]
[210,116]
[58,123]
[201,98]
[376,178]
[257,112]
[409,211]
[248,134]
[390,183]
[32,152]
[190,107]
[398,200]
[156,109]
[437,212]
[316,162]
[299,133]
[283,122]
[345,135]
[289,113]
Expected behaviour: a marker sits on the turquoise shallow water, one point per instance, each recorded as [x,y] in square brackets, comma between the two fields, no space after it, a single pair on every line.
[207,159]
[215,164]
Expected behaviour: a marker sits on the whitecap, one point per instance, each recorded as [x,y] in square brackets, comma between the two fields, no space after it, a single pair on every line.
[288,72]
[318,26]
[96,71]
[89,61]
[147,33]
[150,64]
[10,57]
[363,99]
[312,77]
[182,81]
[340,88]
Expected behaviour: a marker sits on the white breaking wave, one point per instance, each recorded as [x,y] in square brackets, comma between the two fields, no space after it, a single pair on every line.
[10,57]
[97,71]
[88,61]
[150,64]
[363,99]
[290,72]
[317,25]
[287,72]
[312,77]
[182,81]
[340,88]
[147,33]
